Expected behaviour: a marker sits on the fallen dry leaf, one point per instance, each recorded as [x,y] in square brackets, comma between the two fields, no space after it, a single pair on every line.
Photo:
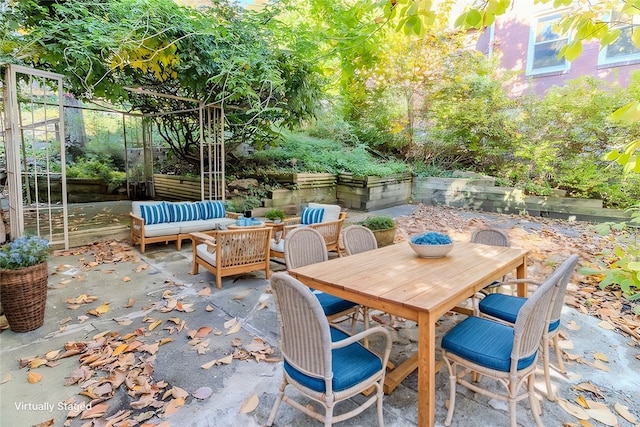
[96,411]
[6,379]
[574,410]
[208,307]
[606,325]
[602,414]
[34,377]
[624,413]
[126,279]
[205,291]
[173,406]
[249,404]
[203,331]
[589,387]
[155,325]
[601,356]
[130,303]
[202,393]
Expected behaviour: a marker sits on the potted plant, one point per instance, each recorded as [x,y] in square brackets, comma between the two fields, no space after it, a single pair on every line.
[275,215]
[23,282]
[383,227]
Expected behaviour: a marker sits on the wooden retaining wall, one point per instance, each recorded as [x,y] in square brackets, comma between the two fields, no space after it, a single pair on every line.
[178,188]
[373,192]
[473,194]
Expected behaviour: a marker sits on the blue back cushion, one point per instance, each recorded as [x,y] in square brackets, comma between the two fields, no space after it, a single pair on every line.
[183,212]
[155,214]
[211,209]
[312,215]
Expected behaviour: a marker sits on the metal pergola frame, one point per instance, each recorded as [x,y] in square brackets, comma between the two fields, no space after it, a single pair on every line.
[211,125]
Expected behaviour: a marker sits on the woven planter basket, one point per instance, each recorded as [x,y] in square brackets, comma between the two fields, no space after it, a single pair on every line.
[23,293]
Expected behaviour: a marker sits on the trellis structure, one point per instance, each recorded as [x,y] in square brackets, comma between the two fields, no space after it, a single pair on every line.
[31,141]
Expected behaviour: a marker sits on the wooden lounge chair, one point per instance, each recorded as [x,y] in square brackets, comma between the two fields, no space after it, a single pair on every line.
[231,252]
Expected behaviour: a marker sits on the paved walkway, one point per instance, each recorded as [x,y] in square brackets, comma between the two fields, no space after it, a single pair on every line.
[139,290]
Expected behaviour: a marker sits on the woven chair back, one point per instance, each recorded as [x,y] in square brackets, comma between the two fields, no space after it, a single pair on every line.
[564,273]
[305,337]
[304,246]
[534,315]
[357,239]
[491,237]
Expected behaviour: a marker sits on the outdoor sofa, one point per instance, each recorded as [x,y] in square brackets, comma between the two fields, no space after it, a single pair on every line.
[160,221]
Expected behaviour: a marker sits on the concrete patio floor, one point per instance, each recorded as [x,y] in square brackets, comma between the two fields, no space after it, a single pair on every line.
[162,271]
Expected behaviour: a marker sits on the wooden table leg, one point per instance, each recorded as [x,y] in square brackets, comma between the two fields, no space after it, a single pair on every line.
[426,369]
[521,273]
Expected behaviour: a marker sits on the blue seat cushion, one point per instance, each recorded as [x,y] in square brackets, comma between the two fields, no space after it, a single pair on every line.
[331,304]
[506,307]
[351,365]
[484,342]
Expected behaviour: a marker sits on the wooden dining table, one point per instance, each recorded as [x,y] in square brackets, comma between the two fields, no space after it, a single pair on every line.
[395,280]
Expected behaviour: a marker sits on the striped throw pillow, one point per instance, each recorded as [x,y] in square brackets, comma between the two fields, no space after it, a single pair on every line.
[211,209]
[184,212]
[155,214]
[312,215]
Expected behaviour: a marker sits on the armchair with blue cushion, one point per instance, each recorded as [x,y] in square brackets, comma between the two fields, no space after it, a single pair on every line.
[505,308]
[327,219]
[322,362]
[507,353]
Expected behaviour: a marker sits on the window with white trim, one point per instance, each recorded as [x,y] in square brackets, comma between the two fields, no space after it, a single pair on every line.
[622,49]
[544,45]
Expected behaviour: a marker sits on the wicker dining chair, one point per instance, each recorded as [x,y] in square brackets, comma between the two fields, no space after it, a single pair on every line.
[505,308]
[509,354]
[493,237]
[305,246]
[322,362]
[357,239]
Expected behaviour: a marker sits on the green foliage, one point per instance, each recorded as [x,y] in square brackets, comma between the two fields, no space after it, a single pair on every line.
[220,54]
[381,222]
[92,167]
[621,267]
[273,214]
[300,153]
[471,115]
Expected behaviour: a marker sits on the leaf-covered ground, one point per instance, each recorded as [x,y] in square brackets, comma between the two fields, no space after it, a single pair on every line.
[549,241]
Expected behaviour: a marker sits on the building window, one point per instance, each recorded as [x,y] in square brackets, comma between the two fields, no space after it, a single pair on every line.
[544,45]
[622,49]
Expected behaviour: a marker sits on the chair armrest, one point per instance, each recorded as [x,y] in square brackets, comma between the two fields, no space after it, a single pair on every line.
[137,225]
[361,335]
[201,236]
[292,221]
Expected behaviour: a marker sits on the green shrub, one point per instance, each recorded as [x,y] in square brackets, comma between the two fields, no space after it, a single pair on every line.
[273,214]
[381,222]
[96,168]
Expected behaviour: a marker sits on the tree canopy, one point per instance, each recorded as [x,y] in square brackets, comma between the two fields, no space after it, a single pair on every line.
[222,54]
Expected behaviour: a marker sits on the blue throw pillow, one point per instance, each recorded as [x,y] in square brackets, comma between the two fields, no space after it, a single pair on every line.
[211,209]
[155,214]
[179,212]
[312,216]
